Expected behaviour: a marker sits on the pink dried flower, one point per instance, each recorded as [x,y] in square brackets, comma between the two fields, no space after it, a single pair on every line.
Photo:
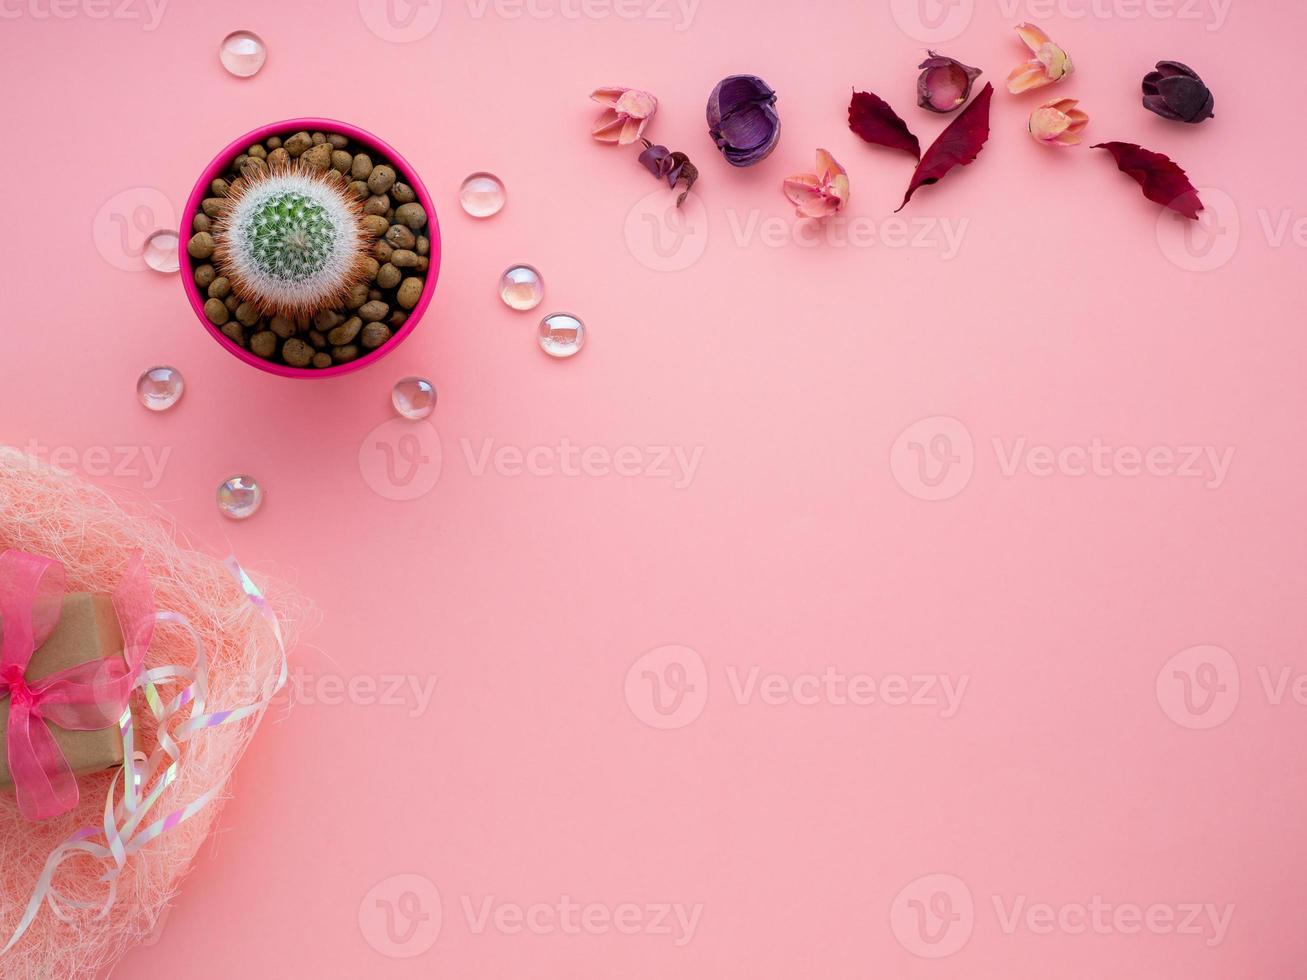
[1050,63]
[821,194]
[626,112]
[1058,123]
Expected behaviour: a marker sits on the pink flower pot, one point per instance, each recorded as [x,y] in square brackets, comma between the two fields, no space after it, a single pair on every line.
[222,163]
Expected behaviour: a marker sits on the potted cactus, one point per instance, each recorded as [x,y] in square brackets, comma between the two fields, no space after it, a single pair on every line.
[313,248]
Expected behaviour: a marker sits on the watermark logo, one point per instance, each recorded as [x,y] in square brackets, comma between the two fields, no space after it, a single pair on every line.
[119,462]
[664,237]
[1199,687]
[1203,245]
[149,13]
[401,459]
[123,223]
[400,916]
[675,464]
[933,459]
[932,21]
[943,236]
[1100,917]
[1211,13]
[400,21]
[837,688]
[933,916]
[667,687]
[677,921]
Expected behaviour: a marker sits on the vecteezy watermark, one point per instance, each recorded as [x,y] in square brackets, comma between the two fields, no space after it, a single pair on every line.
[1212,14]
[119,462]
[404,21]
[1199,687]
[677,921]
[400,459]
[934,916]
[667,688]
[934,459]
[677,464]
[932,21]
[123,223]
[1213,240]
[400,916]
[410,693]
[667,238]
[148,12]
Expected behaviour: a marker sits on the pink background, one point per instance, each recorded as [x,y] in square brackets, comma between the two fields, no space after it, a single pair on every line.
[1070,312]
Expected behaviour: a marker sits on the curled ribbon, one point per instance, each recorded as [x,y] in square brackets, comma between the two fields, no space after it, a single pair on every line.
[145,777]
[83,698]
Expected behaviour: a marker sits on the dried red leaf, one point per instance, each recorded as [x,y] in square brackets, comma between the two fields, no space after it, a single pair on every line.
[957,146]
[1161,178]
[871,117]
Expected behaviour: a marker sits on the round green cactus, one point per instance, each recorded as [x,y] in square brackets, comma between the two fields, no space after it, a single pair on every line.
[291,242]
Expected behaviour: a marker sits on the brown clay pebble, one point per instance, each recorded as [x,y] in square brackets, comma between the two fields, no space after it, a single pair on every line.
[248,314]
[233,331]
[257,150]
[240,161]
[404,258]
[297,144]
[219,288]
[325,320]
[358,295]
[279,158]
[281,326]
[361,167]
[370,267]
[381,179]
[377,204]
[341,161]
[254,167]
[317,339]
[346,353]
[388,276]
[412,215]
[359,189]
[200,222]
[397,319]
[204,275]
[382,251]
[200,246]
[296,353]
[401,193]
[264,343]
[374,294]
[216,311]
[373,310]
[423,262]
[337,141]
[321,359]
[219,187]
[212,206]
[401,237]
[374,335]
[375,224]
[231,301]
[319,138]
[410,291]
[319,157]
[346,332]
[423,245]
[273,142]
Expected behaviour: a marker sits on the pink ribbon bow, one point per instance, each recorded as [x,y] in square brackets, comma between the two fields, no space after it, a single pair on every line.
[89,696]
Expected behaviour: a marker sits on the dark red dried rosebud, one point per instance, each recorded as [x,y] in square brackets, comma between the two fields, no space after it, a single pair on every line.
[944,83]
[1174,91]
[672,167]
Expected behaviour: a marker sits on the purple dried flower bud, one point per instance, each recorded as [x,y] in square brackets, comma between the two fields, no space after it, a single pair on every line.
[1174,91]
[672,167]
[944,83]
[742,119]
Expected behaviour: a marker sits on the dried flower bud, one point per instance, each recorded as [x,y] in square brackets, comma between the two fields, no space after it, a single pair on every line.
[1174,91]
[944,83]
[742,119]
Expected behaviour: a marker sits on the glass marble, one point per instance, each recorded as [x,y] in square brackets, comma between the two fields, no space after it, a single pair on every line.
[160,252]
[160,388]
[482,195]
[239,497]
[243,53]
[561,334]
[521,287]
[413,398]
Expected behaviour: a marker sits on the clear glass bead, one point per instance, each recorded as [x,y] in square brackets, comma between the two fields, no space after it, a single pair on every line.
[413,398]
[243,53]
[521,287]
[482,195]
[239,497]
[561,334]
[160,388]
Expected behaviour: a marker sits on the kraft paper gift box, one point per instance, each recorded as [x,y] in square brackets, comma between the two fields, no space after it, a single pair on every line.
[88,630]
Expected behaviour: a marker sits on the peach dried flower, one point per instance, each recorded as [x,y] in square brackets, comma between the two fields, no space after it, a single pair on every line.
[1050,63]
[821,194]
[626,112]
[1058,123]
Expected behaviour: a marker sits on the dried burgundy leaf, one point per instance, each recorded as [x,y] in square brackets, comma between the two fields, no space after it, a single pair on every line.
[957,146]
[1174,91]
[1162,180]
[944,83]
[871,117]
